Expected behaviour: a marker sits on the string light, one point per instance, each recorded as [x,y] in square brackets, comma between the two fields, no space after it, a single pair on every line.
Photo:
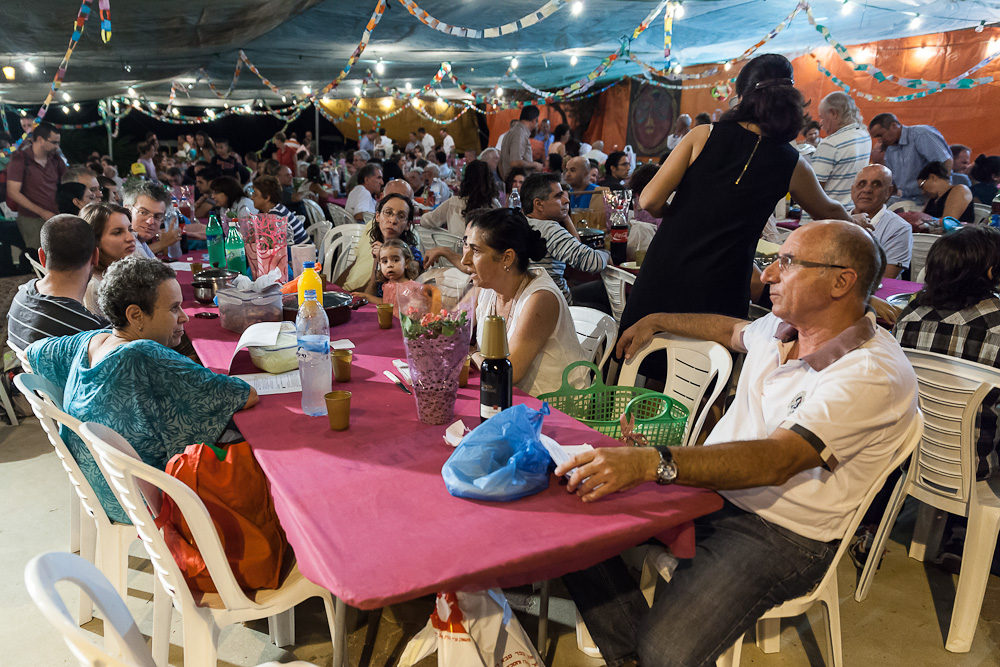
[175,111]
[847,8]
[573,61]
[9,73]
[306,89]
[283,99]
[514,63]
[66,97]
[152,105]
[65,109]
[678,10]
[357,91]
[407,86]
[576,8]
[29,67]
[76,106]
[380,67]
[210,113]
[226,105]
[131,91]
[915,23]
[727,66]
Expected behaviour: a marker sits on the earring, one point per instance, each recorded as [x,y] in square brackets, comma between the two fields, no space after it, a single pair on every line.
[507,268]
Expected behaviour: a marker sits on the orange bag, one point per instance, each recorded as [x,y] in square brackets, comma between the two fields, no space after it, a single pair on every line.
[236,494]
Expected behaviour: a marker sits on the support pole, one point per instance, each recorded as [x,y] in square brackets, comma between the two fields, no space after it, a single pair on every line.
[108,120]
[316,112]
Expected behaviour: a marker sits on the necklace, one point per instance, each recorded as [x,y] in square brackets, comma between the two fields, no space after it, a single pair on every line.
[752,153]
[513,302]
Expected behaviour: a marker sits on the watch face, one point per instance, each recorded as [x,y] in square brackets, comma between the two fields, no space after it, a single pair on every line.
[666,472]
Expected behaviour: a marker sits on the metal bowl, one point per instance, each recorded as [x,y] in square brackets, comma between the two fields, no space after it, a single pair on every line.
[336,304]
[204,291]
[592,237]
[221,278]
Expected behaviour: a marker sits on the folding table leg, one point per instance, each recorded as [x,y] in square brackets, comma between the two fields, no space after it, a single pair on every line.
[543,616]
[340,634]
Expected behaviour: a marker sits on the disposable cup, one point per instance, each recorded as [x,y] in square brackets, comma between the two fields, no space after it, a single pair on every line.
[338,409]
[384,315]
[342,360]
[463,378]
[640,255]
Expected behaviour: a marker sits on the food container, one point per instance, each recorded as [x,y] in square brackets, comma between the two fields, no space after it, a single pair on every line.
[336,304]
[239,309]
[221,278]
[592,237]
[280,357]
[204,291]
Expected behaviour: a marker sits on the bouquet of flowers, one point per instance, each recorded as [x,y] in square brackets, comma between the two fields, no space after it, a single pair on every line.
[437,343]
[265,238]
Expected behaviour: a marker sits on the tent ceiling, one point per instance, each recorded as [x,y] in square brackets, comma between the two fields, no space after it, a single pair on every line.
[307,42]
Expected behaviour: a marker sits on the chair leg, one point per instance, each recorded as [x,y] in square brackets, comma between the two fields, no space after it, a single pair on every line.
[75,512]
[543,615]
[731,658]
[281,628]
[927,533]
[201,637]
[8,406]
[584,641]
[162,612]
[769,635]
[88,551]
[980,543]
[831,604]
[881,535]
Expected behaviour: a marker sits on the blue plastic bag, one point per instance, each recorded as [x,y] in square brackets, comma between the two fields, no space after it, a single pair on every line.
[501,459]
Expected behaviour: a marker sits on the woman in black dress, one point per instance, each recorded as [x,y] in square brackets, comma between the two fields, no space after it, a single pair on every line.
[943,198]
[726,179]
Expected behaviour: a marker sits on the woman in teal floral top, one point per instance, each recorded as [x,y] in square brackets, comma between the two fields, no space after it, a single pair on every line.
[129,379]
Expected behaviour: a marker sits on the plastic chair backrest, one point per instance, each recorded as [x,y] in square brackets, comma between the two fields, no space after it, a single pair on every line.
[314,213]
[905,205]
[42,574]
[447,240]
[125,472]
[340,215]
[19,353]
[983,212]
[340,249]
[367,217]
[615,280]
[596,331]
[921,246]
[691,367]
[951,391]
[424,239]
[40,271]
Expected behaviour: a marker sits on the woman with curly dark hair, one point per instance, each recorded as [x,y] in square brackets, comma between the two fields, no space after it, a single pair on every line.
[477,191]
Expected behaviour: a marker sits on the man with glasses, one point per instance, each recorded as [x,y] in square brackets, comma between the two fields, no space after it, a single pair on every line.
[824,401]
[616,170]
[148,203]
[32,178]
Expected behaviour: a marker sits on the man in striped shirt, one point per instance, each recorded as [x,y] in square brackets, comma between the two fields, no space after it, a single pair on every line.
[547,207]
[846,148]
[907,149]
[53,305]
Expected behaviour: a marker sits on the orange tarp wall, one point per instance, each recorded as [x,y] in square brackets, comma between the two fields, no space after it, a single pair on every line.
[963,116]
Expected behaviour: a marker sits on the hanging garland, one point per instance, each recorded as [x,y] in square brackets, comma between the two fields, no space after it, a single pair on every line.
[537,16]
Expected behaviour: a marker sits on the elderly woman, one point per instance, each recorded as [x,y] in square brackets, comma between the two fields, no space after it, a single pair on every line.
[541,338]
[112,225]
[129,379]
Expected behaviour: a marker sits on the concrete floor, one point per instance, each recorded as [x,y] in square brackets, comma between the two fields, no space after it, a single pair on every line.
[903,622]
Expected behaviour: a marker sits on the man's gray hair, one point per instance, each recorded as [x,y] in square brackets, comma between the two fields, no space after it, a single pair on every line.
[488,151]
[73,174]
[135,188]
[131,281]
[365,155]
[844,105]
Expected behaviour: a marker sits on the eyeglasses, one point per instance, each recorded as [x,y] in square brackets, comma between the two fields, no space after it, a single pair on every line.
[786,261]
[159,217]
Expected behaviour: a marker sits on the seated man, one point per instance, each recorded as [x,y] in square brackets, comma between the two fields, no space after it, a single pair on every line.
[361,199]
[148,204]
[577,176]
[435,185]
[871,190]
[616,169]
[53,305]
[961,162]
[547,207]
[291,198]
[825,400]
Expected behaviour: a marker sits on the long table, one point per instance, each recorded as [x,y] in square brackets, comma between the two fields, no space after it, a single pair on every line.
[367,512]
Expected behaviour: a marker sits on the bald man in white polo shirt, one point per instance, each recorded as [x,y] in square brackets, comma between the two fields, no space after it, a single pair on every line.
[824,401]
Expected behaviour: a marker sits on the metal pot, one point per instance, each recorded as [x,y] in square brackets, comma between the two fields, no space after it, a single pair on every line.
[592,237]
[336,304]
[220,278]
[204,291]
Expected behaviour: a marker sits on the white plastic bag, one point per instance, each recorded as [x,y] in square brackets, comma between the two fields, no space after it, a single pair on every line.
[640,235]
[470,629]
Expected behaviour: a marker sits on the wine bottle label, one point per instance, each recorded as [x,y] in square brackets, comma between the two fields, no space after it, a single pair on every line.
[487,411]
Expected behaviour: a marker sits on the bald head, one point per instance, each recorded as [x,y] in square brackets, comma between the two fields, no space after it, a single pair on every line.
[598,145]
[871,189]
[398,186]
[577,173]
[847,244]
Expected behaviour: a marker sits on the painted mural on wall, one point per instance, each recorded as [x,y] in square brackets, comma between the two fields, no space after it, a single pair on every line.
[652,111]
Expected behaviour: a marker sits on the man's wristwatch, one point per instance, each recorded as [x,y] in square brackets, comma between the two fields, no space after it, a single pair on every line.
[666,471]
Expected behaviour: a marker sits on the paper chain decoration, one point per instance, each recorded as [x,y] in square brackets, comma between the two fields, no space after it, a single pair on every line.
[537,16]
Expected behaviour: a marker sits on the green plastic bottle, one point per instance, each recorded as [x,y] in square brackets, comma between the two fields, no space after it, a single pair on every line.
[216,244]
[236,254]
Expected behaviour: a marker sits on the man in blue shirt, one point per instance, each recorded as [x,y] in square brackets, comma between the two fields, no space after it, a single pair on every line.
[907,149]
[577,175]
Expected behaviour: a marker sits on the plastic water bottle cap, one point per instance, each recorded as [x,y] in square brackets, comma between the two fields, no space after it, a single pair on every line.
[309,265]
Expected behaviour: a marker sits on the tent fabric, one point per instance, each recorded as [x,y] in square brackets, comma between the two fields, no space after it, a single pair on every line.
[464,130]
[307,42]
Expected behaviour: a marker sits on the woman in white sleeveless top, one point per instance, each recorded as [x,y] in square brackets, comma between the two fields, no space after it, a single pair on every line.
[541,338]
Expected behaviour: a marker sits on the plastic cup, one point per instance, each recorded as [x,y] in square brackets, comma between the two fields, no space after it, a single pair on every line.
[338,409]
[463,378]
[196,267]
[342,365]
[384,315]
[640,255]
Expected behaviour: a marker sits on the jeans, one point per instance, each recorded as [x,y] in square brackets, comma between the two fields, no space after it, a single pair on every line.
[743,566]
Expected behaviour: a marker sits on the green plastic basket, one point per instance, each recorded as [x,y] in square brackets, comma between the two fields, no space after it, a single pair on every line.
[659,418]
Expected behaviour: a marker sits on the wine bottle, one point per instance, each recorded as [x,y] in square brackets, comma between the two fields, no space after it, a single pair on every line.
[496,375]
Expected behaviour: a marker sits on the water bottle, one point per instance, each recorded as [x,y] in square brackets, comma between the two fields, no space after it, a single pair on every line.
[173,221]
[312,331]
[514,201]
[216,243]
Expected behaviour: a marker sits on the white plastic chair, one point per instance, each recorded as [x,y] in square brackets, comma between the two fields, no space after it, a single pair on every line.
[615,280]
[424,238]
[983,212]
[42,574]
[204,618]
[340,249]
[19,353]
[339,215]
[100,539]
[452,282]
[942,476]
[921,246]
[596,331]
[691,367]
[905,205]
[769,625]
[446,240]
[46,570]
[36,266]
[314,212]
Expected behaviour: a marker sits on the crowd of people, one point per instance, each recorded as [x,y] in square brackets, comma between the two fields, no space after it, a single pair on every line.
[826,396]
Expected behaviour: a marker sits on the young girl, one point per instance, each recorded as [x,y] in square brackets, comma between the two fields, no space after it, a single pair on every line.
[396,270]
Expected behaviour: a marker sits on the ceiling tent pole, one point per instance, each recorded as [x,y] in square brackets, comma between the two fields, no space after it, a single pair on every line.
[107,124]
[316,135]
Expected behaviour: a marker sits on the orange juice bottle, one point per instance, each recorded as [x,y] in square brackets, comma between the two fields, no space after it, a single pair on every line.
[309,280]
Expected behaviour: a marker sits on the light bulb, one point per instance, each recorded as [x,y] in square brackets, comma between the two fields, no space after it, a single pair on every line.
[29,67]
[678,68]
[209,112]
[576,8]
[65,109]
[284,99]
[380,67]
[76,106]
[499,92]
[847,8]
[247,108]
[915,23]
[357,91]
[9,73]
[306,90]
[175,111]
[225,105]
[514,63]
[678,10]
[66,97]
[728,66]
[131,91]
[407,86]
[573,61]
[152,105]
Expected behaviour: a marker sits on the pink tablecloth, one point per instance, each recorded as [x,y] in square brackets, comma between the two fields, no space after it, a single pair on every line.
[339,201]
[891,286]
[367,512]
